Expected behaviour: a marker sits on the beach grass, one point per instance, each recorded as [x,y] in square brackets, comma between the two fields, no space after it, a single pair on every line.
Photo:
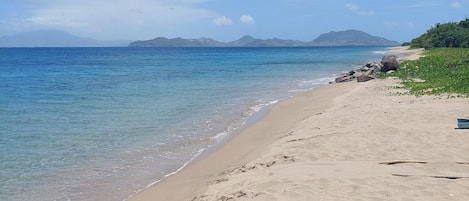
[438,71]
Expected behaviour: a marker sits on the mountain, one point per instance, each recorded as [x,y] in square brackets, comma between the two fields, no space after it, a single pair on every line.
[177,42]
[249,41]
[341,38]
[52,38]
[351,38]
[245,41]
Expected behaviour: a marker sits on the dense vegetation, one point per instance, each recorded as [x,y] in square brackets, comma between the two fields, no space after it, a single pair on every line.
[452,34]
[440,70]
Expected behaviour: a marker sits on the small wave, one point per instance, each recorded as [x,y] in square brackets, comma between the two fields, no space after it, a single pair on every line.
[379,52]
[219,136]
[319,81]
[258,107]
[222,135]
[307,85]
[197,154]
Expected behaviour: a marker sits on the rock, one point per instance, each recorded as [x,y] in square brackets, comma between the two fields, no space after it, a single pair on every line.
[370,73]
[378,66]
[364,78]
[370,70]
[344,78]
[389,62]
[377,69]
[369,64]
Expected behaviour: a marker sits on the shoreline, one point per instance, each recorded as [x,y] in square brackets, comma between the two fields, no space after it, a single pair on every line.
[241,148]
[268,159]
[404,53]
[208,152]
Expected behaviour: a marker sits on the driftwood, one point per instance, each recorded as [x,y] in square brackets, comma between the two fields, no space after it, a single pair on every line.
[431,176]
[424,162]
[419,162]
[400,162]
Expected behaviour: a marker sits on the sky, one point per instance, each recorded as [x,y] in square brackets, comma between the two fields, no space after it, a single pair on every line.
[228,20]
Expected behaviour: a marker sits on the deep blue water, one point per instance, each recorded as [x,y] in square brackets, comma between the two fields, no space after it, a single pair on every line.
[102,123]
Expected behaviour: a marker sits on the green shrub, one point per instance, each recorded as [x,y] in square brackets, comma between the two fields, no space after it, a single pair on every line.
[440,70]
[405,44]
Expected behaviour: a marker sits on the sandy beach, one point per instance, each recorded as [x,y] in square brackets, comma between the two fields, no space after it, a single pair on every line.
[347,141]
[404,53]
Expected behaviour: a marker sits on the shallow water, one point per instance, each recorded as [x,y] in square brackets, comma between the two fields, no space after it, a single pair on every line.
[102,123]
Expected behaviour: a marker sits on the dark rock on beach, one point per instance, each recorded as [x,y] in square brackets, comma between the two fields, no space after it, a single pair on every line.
[371,70]
[389,63]
[364,78]
[345,78]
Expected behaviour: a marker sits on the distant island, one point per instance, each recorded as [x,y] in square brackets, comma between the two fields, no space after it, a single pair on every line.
[341,38]
[54,38]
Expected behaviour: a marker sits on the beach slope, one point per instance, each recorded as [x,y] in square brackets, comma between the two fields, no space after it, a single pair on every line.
[369,145]
[348,141]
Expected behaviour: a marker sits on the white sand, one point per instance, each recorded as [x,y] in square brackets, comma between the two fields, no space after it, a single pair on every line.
[404,53]
[337,154]
[333,143]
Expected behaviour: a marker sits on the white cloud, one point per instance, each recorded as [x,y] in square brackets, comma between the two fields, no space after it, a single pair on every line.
[355,8]
[246,19]
[223,20]
[351,6]
[456,4]
[396,24]
[410,24]
[420,5]
[366,13]
[119,19]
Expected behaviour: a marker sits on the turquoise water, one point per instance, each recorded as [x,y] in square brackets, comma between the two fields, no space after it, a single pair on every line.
[103,123]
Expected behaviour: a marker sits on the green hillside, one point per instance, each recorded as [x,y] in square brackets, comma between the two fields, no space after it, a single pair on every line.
[453,34]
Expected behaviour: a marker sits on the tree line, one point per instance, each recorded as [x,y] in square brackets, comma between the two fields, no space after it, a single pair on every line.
[453,34]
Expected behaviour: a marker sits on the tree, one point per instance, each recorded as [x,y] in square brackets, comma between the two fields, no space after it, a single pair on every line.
[444,35]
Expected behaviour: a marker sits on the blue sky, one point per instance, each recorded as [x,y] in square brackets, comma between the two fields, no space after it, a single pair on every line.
[228,20]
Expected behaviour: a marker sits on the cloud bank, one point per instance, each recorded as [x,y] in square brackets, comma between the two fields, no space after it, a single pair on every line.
[108,18]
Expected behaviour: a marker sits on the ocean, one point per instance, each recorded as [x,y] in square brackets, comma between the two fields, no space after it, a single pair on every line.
[104,123]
